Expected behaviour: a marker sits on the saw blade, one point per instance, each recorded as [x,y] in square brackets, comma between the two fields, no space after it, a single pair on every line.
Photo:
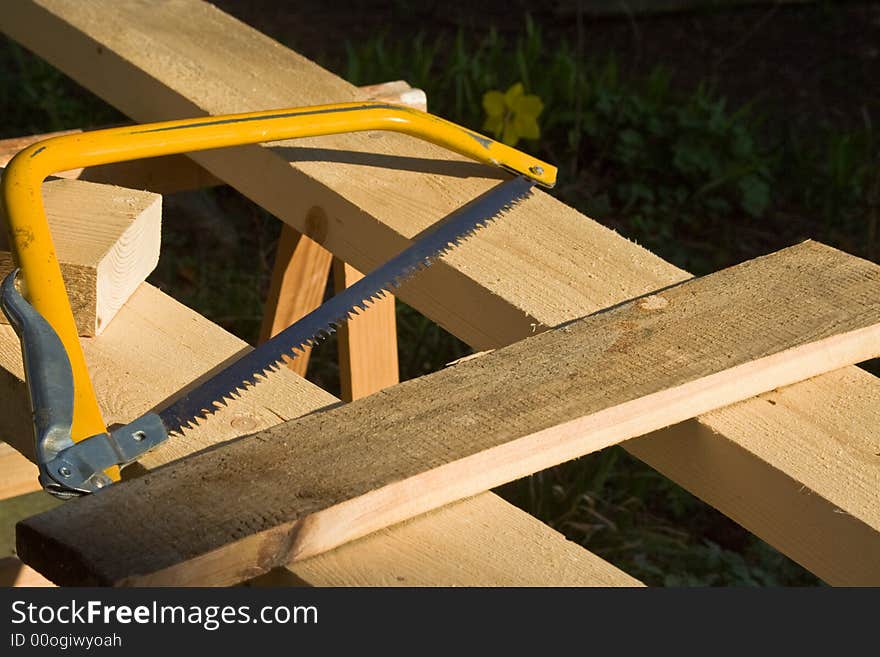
[231,381]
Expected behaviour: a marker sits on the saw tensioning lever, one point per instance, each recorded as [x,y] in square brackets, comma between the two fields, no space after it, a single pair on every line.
[75,452]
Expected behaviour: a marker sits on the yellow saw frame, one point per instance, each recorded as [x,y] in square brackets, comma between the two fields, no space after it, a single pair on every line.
[29,230]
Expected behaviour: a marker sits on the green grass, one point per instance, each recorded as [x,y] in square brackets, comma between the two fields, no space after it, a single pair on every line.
[699,182]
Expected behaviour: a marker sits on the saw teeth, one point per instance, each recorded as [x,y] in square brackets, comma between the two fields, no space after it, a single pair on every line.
[181,416]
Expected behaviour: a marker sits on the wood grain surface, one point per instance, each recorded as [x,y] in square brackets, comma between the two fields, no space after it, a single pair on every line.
[107,241]
[330,477]
[544,265]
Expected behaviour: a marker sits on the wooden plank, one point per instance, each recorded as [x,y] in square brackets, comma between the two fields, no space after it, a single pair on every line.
[462,544]
[544,265]
[299,279]
[107,240]
[376,190]
[176,345]
[368,344]
[826,429]
[482,541]
[177,173]
[328,478]
[17,475]
[297,287]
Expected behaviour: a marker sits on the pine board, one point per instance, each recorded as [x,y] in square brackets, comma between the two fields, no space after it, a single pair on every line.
[176,345]
[107,240]
[375,191]
[823,433]
[467,543]
[328,478]
[546,264]
[367,343]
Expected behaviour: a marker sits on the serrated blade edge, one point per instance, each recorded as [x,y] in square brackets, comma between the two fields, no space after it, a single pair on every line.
[247,371]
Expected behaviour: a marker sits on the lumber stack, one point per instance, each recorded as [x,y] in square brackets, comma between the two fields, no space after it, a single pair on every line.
[334,476]
[451,546]
[797,466]
[107,241]
[175,346]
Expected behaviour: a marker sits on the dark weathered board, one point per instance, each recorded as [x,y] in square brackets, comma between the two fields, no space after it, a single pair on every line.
[316,482]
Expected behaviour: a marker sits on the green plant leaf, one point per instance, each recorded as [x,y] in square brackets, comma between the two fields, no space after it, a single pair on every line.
[755,195]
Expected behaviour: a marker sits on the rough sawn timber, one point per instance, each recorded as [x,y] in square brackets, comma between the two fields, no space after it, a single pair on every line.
[367,350]
[546,264]
[107,241]
[373,191]
[333,476]
[176,345]
[175,173]
[480,541]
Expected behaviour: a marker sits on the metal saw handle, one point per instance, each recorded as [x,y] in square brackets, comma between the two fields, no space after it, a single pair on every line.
[46,371]
[29,229]
[67,468]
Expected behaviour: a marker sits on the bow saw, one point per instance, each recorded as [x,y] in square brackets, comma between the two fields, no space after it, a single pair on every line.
[75,452]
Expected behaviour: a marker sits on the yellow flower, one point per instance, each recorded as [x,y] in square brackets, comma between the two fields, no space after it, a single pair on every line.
[512,115]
